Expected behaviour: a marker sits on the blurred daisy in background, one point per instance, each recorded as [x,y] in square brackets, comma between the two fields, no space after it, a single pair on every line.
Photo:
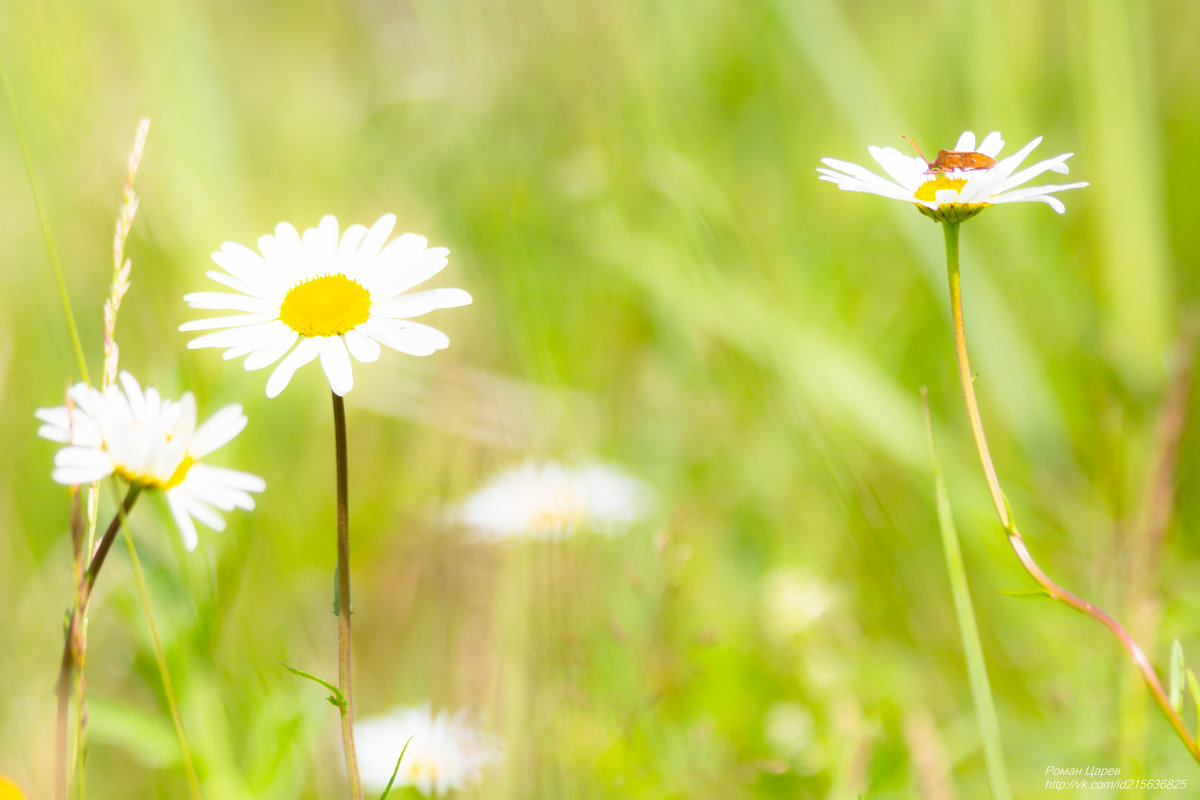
[318,295]
[788,729]
[947,191]
[152,443]
[445,752]
[545,500]
[793,599]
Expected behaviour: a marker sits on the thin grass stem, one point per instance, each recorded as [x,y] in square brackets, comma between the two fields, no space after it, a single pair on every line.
[968,628]
[161,659]
[44,220]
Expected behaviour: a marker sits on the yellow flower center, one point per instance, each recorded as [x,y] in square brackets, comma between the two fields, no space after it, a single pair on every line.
[560,518]
[928,190]
[151,482]
[328,305]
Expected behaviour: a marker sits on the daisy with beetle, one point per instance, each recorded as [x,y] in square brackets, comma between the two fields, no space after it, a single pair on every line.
[321,295]
[954,187]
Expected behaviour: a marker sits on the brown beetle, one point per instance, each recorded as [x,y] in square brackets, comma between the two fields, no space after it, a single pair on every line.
[948,160]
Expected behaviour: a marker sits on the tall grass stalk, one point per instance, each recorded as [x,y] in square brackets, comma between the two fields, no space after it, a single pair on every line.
[161,659]
[44,220]
[981,690]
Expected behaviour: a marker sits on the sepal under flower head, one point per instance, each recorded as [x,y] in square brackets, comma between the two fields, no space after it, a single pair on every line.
[954,194]
[151,442]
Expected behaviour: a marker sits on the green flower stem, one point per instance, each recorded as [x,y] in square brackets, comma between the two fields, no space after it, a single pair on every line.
[72,646]
[161,659]
[1015,540]
[343,597]
[981,690]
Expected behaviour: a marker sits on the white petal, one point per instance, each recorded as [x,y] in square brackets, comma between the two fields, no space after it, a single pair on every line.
[336,363]
[1017,195]
[258,337]
[347,249]
[321,242]
[966,142]
[241,286]
[414,305]
[285,247]
[185,426]
[373,242]
[248,267]
[229,479]
[73,465]
[867,176]
[271,352]
[386,284]
[229,301]
[908,171]
[305,352]
[183,521]
[1007,166]
[846,183]
[1056,164]
[219,429]
[225,322]
[945,197]
[77,476]
[992,144]
[250,337]
[202,511]
[408,337]
[364,349]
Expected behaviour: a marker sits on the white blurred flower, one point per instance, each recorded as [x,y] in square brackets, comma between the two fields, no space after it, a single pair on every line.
[948,192]
[445,752]
[793,599]
[543,500]
[331,297]
[153,443]
[788,728]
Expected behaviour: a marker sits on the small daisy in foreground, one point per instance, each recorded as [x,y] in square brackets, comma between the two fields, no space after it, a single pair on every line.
[329,297]
[542,500]
[958,184]
[152,443]
[445,752]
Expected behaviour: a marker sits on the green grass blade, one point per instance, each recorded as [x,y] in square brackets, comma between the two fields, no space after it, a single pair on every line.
[1175,677]
[981,692]
[396,771]
[45,223]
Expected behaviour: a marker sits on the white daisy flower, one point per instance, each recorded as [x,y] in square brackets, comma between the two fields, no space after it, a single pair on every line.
[153,443]
[793,599]
[330,297]
[445,752]
[545,500]
[957,184]
[788,728]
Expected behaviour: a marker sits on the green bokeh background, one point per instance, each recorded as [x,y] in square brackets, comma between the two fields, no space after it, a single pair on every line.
[627,188]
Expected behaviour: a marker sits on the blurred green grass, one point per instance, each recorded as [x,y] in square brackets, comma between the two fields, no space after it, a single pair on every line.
[628,191]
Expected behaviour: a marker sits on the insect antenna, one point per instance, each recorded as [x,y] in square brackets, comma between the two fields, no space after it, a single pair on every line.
[917,147]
